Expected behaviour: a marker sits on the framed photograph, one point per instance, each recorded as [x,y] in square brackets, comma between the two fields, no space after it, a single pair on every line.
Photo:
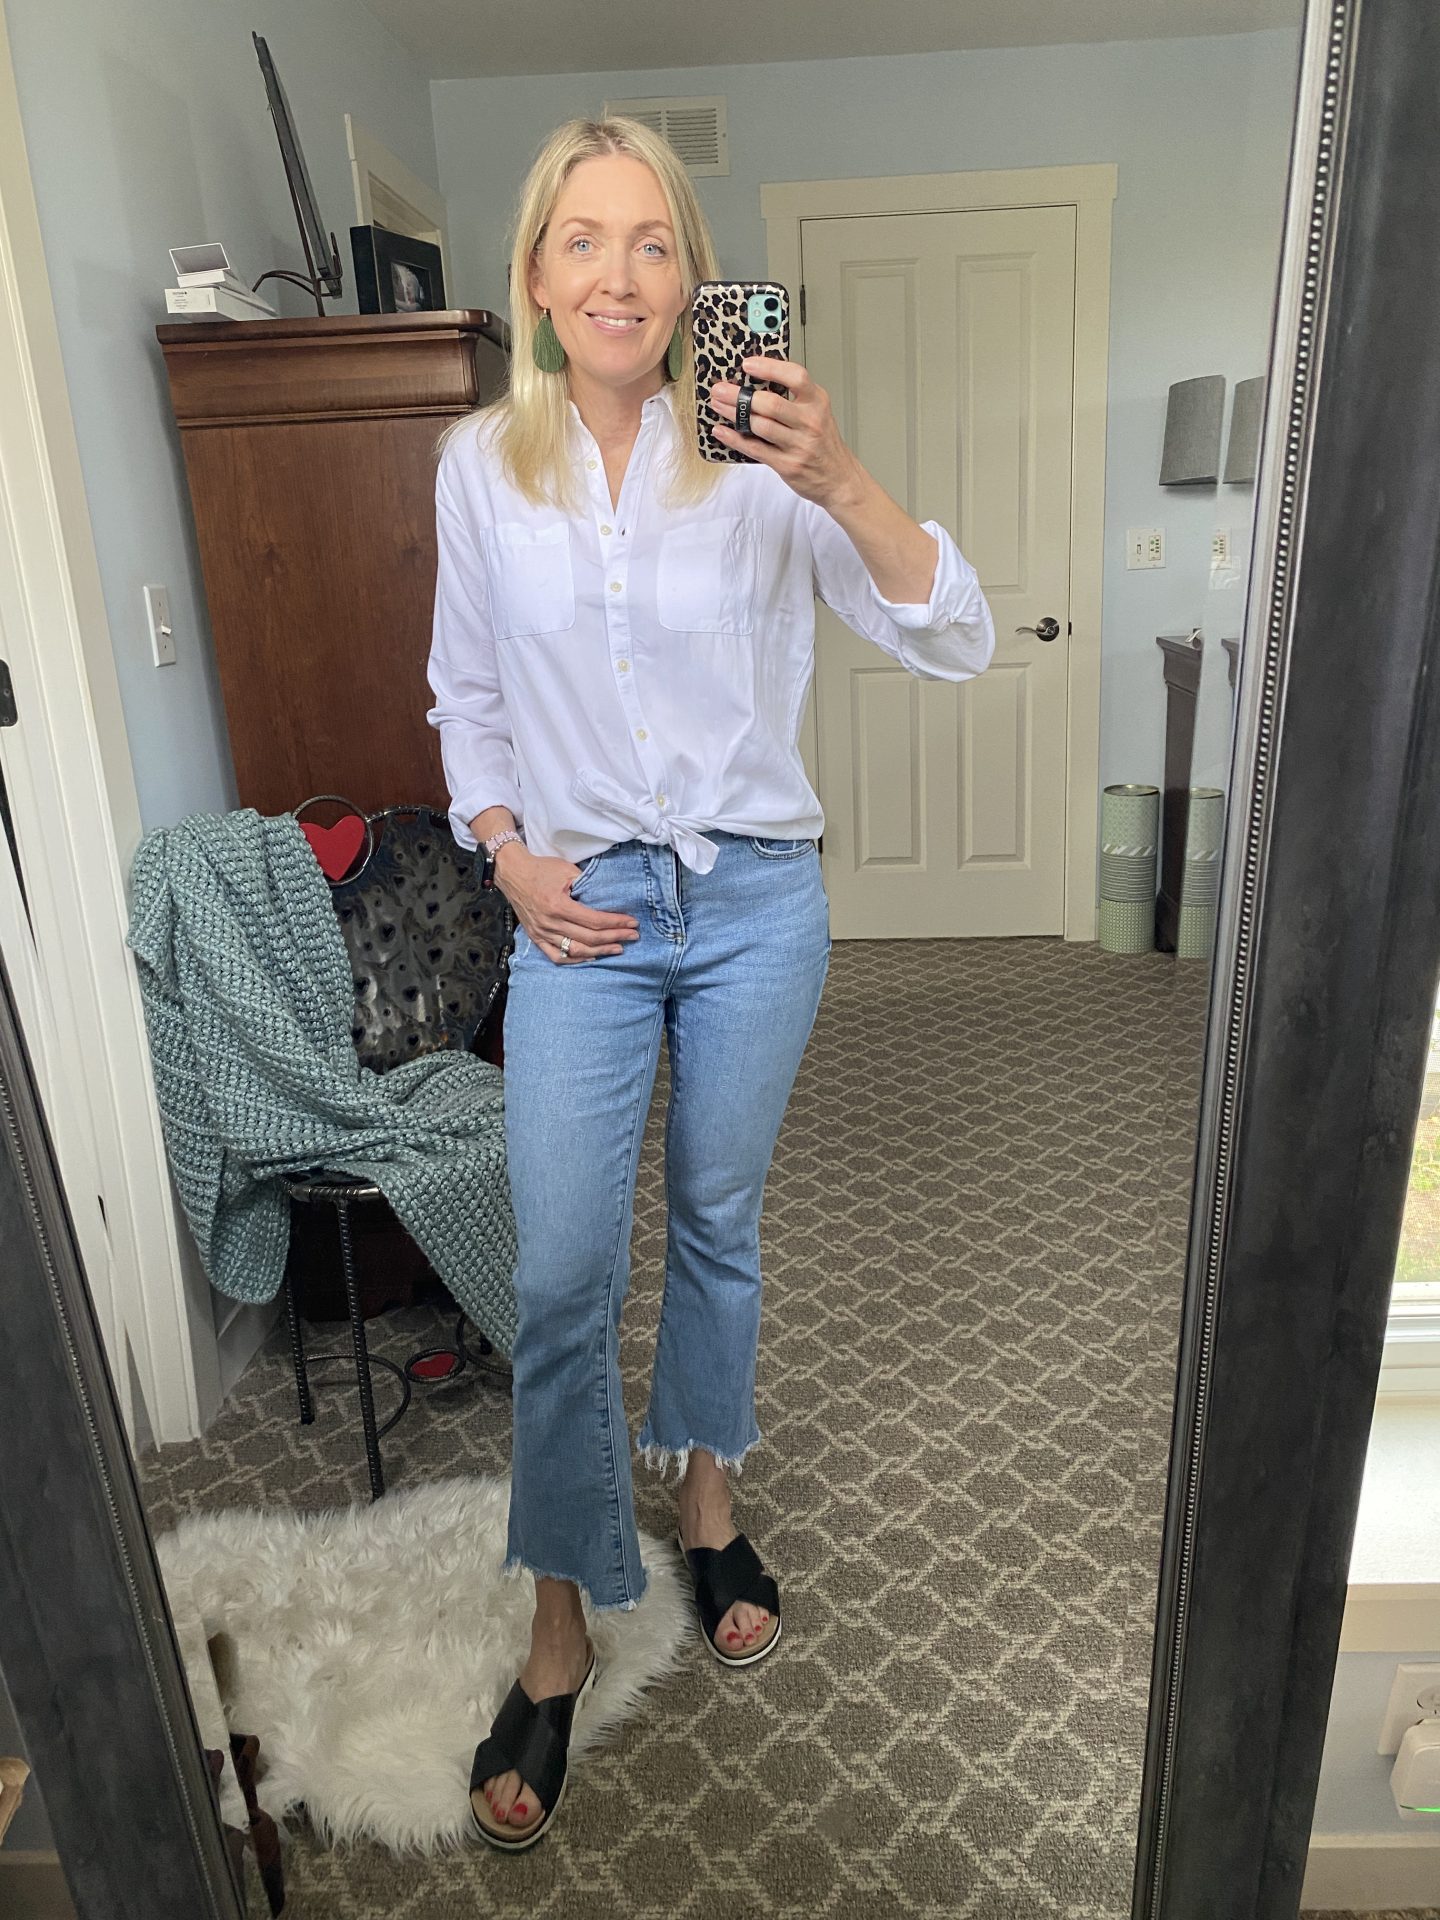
[395,273]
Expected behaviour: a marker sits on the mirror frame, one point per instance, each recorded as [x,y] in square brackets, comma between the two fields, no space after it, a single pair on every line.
[87,1645]
[1329,928]
[1329,931]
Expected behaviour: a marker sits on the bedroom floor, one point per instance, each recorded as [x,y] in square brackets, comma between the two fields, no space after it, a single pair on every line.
[973,1241]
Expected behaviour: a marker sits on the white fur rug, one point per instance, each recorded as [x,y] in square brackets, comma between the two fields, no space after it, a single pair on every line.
[370,1647]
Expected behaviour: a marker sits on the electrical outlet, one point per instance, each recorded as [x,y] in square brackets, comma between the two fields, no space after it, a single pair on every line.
[1144,547]
[1220,547]
[1415,1693]
[162,633]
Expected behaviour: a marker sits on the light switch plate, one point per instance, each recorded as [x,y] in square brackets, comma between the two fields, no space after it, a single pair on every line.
[1144,547]
[1415,1688]
[162,633]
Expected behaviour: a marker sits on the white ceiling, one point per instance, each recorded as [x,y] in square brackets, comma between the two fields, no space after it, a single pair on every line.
[465,39]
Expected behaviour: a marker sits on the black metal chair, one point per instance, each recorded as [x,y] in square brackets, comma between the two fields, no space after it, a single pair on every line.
[428,949]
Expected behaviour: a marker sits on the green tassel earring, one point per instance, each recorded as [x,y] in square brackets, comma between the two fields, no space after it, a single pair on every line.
[675,353]
[545,347]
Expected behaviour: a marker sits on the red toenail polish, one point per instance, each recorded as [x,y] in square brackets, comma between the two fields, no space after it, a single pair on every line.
[521,1810]
[732,1636]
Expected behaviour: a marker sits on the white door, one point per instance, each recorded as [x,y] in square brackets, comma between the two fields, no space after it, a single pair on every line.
[946,342]
[66,1114]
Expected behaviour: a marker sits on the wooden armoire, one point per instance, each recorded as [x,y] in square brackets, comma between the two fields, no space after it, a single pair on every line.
[310,451]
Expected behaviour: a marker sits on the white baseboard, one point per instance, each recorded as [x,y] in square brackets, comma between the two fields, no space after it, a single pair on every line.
[1391,1619]
[32,1887]
[1372,1872]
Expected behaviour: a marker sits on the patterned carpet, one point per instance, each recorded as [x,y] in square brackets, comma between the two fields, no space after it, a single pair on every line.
[973,1242]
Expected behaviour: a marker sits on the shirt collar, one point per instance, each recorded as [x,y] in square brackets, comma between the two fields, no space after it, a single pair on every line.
[664,398]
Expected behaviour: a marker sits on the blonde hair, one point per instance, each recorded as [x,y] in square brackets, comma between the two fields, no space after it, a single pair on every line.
[532,417]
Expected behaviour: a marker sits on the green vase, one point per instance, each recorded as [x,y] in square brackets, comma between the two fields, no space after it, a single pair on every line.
[1129,836]
[1200,882]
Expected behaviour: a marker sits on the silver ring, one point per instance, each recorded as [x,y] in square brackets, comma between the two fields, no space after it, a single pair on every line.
[565,947]
[742,410]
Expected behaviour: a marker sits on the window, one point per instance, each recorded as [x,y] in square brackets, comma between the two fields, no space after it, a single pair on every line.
[1412,1341]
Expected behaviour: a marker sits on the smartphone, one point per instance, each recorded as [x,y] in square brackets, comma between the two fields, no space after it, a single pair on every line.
[730,321]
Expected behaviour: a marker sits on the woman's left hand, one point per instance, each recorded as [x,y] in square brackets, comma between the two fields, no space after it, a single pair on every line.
[797,436]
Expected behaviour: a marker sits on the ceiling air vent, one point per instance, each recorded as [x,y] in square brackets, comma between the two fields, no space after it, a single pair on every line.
[694,127]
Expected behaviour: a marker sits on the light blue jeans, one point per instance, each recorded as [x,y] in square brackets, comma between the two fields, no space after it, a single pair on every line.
[732,962]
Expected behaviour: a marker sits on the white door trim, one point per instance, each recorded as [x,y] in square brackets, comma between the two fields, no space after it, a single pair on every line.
[372,164]
[77,819]
[1091,191]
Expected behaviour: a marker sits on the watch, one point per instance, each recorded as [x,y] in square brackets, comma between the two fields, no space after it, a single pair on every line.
[491,847]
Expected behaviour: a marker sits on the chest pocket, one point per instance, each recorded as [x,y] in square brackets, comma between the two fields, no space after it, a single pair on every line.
[706,575]
[528,573]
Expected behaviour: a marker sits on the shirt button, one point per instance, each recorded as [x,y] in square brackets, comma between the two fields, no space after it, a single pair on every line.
[592,464]
[622,666]
[607,529]
[614,586]
[640,734]
[662,799]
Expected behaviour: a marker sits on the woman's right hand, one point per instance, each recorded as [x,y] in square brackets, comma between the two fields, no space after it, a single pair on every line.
[538,888]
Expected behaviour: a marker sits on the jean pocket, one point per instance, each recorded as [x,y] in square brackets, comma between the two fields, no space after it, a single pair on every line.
[528,953]
[781,849]
[587,867]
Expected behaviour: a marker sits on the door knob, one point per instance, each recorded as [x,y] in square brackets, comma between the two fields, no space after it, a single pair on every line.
[1048,629]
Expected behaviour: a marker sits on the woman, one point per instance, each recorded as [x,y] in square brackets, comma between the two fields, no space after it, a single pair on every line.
[622,649]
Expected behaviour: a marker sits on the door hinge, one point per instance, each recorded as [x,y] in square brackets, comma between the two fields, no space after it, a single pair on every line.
[8,715]
[802,303]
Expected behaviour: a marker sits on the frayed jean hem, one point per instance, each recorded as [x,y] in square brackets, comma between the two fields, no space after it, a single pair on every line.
[514,1567]
[659,1458]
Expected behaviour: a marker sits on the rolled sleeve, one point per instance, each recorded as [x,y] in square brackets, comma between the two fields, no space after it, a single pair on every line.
[951,636]
[476,748]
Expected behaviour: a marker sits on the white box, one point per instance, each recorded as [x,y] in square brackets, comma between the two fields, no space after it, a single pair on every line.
[217,303]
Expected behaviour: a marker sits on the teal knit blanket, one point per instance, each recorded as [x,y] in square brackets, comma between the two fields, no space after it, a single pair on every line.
[248,998]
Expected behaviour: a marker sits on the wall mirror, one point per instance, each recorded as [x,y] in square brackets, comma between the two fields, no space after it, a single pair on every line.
[1078,1248]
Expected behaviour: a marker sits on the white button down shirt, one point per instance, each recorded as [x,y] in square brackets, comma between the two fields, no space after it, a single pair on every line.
[639,671]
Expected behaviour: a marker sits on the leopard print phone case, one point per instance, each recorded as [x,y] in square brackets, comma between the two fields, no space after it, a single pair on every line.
[723,317]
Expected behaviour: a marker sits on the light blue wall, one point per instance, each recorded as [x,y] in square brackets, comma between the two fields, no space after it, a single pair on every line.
[147,128]
[1200,132]
[1354,1794]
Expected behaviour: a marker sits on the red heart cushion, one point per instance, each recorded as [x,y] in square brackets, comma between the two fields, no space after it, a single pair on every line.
[336,847]
[434,1366]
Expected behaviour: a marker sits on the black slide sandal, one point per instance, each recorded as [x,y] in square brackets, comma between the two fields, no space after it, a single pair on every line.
[723,1575]
[531,1738]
